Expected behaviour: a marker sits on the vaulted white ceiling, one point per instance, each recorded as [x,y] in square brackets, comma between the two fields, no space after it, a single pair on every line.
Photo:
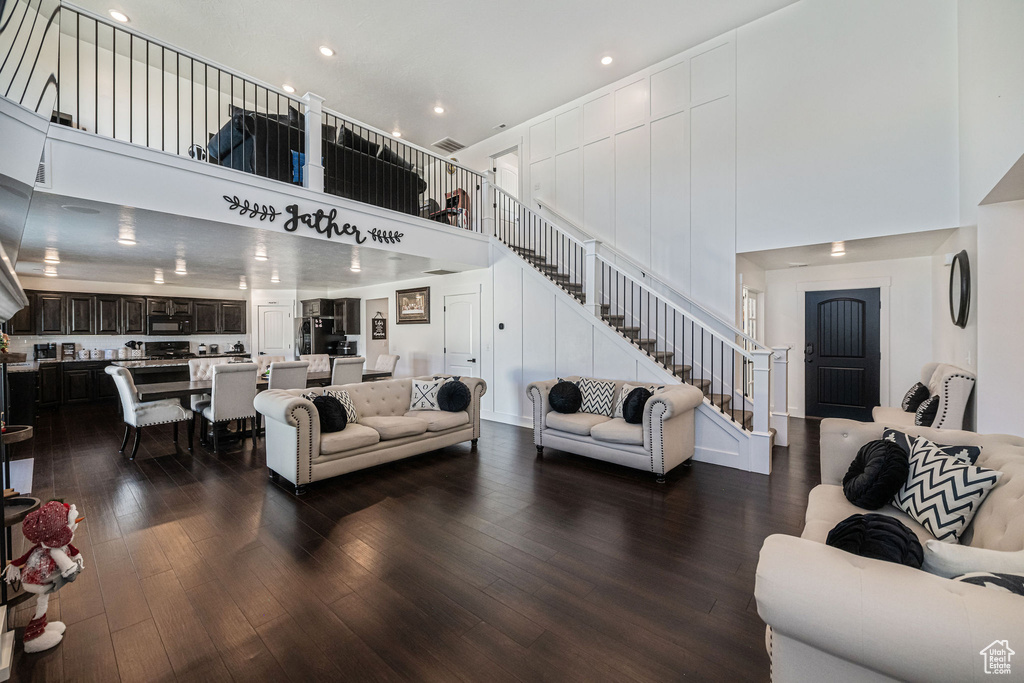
[485,62]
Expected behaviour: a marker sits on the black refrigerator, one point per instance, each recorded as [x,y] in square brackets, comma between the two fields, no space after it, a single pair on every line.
[316,335]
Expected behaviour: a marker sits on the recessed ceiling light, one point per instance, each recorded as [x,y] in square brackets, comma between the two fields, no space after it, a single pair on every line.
[356,269]
[326,51]
[839,248]
[127,241]
[179,267]
[439,109]
[261,253]
[51,255]
[119,16]
[50,271]
[241,283]
[394,258]
[396,133]
[606,60]
[158,276]
[287,88]
[274,277]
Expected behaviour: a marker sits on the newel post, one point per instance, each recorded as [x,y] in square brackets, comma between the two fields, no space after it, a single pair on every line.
[487,225]
[780,394]
[591,270]
[762,392]
[313,168]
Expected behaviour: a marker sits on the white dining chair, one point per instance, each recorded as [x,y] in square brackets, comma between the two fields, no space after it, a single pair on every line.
[263,362]
[347,370]
[201,370]
[140,414]
[288,374]
[386,363]
[231,397]
[318,362]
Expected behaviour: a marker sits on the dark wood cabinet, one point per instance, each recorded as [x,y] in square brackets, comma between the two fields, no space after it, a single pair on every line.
[23,322]
[158,306]
[232,317]
[103,384]
[346,316]
[133,315]
[81,314]
[49,384]
[206,317]
[77,383]
[108,314]
[317,308]
[51,313]
[180,306]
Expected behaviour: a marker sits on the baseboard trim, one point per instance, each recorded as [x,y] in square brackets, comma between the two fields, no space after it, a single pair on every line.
[504,418]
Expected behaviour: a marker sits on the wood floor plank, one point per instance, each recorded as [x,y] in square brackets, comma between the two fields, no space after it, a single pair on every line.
[123,600]
[140,654]
[89,652]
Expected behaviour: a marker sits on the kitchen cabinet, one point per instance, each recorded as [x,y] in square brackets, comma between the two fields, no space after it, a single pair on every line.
[158,306]
[180,306]
[317,308]
[23,322]
[77,383]
[133,315]
[103,384]
[81,314]
[346,316]
[108,314]
[232,317]
[51,313]
[49,384]
[206,317]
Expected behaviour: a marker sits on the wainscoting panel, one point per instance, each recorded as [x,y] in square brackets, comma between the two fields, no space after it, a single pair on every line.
[568,185]
[670,200]
[542,140]
[633,193]
[567,131]
[574,352]
[599,189]
[508,342]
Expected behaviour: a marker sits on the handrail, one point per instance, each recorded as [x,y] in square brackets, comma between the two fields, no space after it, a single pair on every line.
[685,314]
[509,197]
[654,276]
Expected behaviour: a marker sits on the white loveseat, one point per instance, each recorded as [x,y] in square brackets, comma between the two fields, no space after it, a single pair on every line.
[951,384]
[386,429]
[840,617]
[663,441]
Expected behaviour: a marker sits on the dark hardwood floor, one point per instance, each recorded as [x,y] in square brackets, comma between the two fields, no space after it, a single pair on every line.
[486,565]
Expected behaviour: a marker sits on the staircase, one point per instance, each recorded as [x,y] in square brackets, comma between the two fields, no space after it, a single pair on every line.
[684,346]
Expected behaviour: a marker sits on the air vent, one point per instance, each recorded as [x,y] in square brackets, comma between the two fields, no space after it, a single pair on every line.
[449,145]
[440,271]
[42,172]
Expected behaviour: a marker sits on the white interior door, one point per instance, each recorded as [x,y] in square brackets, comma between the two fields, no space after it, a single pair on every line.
[275,331]
[462,334]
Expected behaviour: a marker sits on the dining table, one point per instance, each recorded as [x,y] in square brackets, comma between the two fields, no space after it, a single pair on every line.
[156,391]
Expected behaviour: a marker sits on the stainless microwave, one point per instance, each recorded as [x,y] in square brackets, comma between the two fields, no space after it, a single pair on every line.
[168,324]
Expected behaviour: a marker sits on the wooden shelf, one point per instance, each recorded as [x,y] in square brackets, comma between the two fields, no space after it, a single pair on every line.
[13,357]
[17,433]
[16,508]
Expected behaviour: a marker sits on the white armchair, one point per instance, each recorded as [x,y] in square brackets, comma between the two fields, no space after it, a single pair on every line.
[140,415]
[234,388]
[288,374]
[347,370]
[951,384]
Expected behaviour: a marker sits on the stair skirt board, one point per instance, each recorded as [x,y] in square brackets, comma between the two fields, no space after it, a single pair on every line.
[720,440]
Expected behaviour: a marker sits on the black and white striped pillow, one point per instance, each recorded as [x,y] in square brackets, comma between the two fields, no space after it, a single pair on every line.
[598,396]
[346,403]
[1010,583]
[941,492]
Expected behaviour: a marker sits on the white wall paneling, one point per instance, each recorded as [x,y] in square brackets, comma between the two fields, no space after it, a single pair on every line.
[598,118]
[633,193]
[568,186]
[670,89]
[670,199]
[631,105]
[567,130]
[712,73]
[574,353]
[508,342]
[599,189]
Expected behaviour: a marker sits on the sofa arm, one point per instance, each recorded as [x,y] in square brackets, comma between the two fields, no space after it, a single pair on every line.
[676,399]
[477,389]
[896,620]
[668,426]
[292,434]
[538,393]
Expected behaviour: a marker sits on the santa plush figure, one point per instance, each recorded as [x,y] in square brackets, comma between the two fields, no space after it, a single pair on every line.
[47,566]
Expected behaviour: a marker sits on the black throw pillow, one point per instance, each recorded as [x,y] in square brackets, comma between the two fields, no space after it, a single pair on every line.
[876,474]
[913,399]
[633,406]
[453,396]
[565,397]
[332,414]
[878,537]
[926,412]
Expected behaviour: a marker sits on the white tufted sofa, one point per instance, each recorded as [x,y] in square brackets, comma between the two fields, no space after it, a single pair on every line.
[860,619]
[387,430]
[663,441]
[951,384]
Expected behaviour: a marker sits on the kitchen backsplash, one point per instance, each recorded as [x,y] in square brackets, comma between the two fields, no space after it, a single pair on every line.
[23,344]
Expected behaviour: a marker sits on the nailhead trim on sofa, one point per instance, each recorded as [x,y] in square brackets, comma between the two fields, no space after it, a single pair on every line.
[945,403]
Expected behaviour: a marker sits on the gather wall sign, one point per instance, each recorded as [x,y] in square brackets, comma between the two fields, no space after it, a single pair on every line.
[323,222]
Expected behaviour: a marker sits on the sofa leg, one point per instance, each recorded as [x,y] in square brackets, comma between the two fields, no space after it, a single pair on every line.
[274,476]
[661,479]
[124,441]
[300,489]
[473,443]
[540,451]
[688,463]
[135,446]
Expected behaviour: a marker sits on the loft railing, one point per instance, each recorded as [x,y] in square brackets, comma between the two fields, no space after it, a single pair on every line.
[549,249]
[112,81]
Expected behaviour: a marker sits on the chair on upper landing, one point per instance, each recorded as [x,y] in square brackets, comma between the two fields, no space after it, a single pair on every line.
[234,388]
[263,362]
[289,374]
[140,415]
[318,362]
[387,363]
[347,370]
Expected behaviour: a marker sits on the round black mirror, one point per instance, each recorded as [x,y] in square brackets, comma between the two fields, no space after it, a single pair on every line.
[960,289]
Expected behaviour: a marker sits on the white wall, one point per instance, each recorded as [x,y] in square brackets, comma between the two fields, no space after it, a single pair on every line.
[846,121]
[1000,281]
[906,321]
[951,344]
[991,97]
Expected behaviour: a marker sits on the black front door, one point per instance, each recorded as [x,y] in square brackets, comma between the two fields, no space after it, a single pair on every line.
[842,353]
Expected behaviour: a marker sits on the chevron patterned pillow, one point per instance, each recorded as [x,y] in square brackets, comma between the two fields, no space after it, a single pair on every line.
[346,403]
[941,492]
[598,396]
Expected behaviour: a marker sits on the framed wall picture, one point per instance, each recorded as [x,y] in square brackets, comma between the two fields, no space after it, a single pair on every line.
[413,306]
[380,327]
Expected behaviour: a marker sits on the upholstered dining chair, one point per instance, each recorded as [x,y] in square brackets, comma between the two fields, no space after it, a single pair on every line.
[347,370]
[263,362]
[288,374]
[140,414]
[201,370]
[318,362]
[234,388]
[386,363]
